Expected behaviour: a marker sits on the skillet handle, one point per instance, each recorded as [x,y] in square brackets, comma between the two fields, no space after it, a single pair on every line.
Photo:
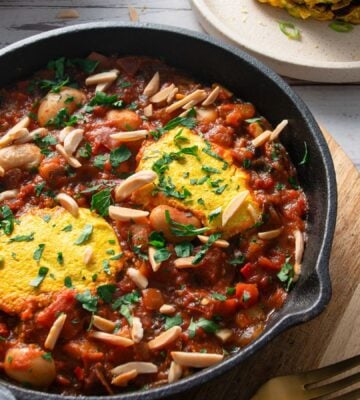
[5,394]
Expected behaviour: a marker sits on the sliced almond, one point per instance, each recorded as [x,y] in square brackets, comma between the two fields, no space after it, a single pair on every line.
[138,278]
[299,251]
[175,372]
[130,136]
[171,96]
[68,203]
[268,235]
[253,213]
[224,334]
[148,110]
[72,141]
[205,301]
[154,264]
[23,123]
[124,378]
[261,139]
[72,161]
[134,182]
[110,338]
[54,332]
[218,243]
[276,132]
[103,324]
[212,96]
[88,255]
[67,14]
[102,87]
[234,205]
[8,194]
[36,133]
[192,96]
[167,309]
[126,214]
[140,366]
[184,262]
[162,95]
[102,77]
[137,330]
[11,137]
[189,105]
[196,360]
[64,132]
[165,338]
[153,86]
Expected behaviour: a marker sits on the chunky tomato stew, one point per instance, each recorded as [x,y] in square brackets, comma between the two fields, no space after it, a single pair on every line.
[150,225]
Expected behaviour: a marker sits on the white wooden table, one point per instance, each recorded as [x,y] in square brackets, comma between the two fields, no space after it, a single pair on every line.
[336,107]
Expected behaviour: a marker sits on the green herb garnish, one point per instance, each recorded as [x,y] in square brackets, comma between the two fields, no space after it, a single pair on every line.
[290,30]
[38,252]
[36,282]
[85,235]
[101,202]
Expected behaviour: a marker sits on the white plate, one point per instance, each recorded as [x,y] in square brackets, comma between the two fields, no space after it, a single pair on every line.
[322,55]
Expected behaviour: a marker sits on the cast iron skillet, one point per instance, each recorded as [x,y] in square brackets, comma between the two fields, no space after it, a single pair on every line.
[210,60]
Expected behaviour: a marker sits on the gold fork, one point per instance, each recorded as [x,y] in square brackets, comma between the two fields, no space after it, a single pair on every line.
[301,386]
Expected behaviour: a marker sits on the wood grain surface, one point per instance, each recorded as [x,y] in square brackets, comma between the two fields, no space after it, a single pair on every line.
[331,337]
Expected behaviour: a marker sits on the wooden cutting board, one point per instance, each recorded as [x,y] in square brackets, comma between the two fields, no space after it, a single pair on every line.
[331,337]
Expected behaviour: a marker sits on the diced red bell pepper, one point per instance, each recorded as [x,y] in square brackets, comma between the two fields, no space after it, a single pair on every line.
[79,373]
[247,294]
[227,307]
[246,270]
[268,264]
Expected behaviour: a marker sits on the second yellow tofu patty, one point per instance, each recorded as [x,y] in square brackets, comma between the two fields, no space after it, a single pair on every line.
[47,238]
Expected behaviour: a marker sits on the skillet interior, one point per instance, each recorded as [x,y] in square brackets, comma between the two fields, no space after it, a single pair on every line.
[210,60]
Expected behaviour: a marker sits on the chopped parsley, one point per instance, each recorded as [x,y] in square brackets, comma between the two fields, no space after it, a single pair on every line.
[36,282]
[100,160]
[60,258]
[129,298]
[201,253]
[207,325]
[184,249]
[39,188]
[116,257]
[7,220]
[183,230]
[170,322]
[162,255]
[188,121]
[220,189]
[67,228]
[85,234]
[38,252]
[230,291]
[101,202]
[207,150]
[47,356]
[215,213]
[138,252]
[62,119]
[102,99]
[106,267]
[87,301]
[293,183]
[218,296]
[119,155]
[68,282]
[237,260]
[105,292]
[22,238]
[286,274]
[85,151]
[157,240]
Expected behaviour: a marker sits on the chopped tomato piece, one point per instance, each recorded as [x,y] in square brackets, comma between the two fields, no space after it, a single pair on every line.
[79,373]
[247,294]
[247,270]
[227,307]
